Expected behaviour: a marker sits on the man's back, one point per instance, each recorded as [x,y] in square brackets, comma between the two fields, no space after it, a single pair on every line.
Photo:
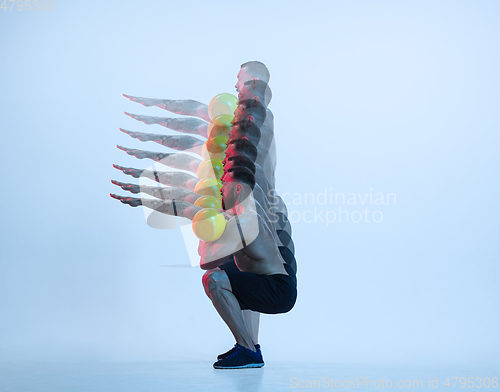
[261,256]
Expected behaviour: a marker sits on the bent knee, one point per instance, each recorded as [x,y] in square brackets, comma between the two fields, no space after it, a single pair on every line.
[215,280]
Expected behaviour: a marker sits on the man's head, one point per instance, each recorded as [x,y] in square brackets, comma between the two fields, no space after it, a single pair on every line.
[237,184]
[244,130]
[252,70]
[239,160]
[250,110]
[257,90]
[241,147]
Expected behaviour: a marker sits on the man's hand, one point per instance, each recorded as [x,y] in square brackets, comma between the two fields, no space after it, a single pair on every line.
[136,173]
[142,154]
[133,188]
[131,201]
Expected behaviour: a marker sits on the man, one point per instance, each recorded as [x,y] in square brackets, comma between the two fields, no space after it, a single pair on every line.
[263,282]
[253,91]
[272,210]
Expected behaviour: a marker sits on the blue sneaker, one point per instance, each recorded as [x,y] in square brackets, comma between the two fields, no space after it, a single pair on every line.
[222,356]
[240,358]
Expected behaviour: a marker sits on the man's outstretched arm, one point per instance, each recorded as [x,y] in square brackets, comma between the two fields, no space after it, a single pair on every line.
[175,142]
[186,107]
[160,192]
[169,207]
[176,179]
[183,125]
[176,160]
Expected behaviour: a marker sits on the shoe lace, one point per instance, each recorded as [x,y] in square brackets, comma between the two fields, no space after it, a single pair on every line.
[235,352]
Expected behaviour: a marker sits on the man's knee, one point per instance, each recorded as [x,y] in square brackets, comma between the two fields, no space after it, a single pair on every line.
[215,280]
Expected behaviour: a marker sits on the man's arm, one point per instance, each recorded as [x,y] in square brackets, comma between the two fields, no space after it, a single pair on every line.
[176,160]
[175,142]
[160,192]
[186,107]
[169,207]
[183,125]
[241,231]
[176,179]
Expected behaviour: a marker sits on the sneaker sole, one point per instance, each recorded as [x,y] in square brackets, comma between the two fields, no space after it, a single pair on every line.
[249,366]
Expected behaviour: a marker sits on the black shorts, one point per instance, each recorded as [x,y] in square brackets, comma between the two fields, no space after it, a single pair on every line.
[269,294]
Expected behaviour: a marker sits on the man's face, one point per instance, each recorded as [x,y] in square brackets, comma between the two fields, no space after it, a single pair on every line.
[237,113]
[245,91]
[230,151]
[241,112]
[229,191]
[242,77]
[235,133]
[228,165]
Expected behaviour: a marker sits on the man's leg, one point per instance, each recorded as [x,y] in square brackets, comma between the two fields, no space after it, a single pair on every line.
[218,289]
[252,323]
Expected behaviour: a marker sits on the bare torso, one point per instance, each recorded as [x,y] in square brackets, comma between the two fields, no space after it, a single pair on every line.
[262,255]
[273,264]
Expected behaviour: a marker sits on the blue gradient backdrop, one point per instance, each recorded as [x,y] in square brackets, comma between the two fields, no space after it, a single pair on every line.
[368,96]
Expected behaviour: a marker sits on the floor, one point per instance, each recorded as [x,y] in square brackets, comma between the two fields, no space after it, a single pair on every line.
[200,376]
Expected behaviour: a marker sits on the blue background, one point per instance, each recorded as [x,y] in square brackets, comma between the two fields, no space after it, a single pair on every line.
[368,96]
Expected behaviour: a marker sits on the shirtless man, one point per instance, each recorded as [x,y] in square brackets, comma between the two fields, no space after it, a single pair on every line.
[273,206]
[263,282]
[251,86]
